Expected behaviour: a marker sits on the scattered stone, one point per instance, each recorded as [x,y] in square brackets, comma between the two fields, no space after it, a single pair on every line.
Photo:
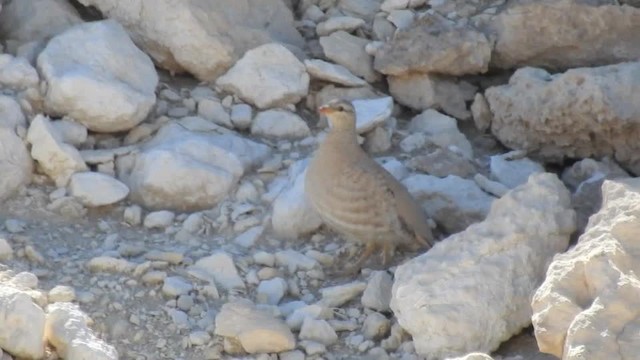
[68,331]
[371,112]
[214,111]
[481,113]
[159,219]
[21,324]
[442,163]
[6,251]
[16,72]
[377,294]
[349,51]
[534,222]
[80,79]
[218,268]
[255,330]
[96,189]
[241,115]
[336,23]
[15,162]
[133,215]
[453,202]
[57,159]
[513,172]
[295,261]
[494,188]
[327,71]
[568,128]
[62,293]
[375,326]
[425,91]
[443,131]
[175,286]
[572,316]
[271,291]
[339,295]
[282,78]
[318,330]
[279,124]
[110,265]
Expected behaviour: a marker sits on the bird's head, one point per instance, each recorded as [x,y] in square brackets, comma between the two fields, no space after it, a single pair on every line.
[340,113]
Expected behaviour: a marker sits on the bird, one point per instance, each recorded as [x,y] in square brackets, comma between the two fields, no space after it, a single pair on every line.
[358,198]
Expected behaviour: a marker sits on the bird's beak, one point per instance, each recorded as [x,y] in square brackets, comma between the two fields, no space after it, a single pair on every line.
[325,110]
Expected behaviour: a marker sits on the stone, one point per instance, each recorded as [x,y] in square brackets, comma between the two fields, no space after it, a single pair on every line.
[159,219]
[336,23]
[364,9]
[15,163]
[71,132]
[336,296]
[570,34]
[377,294]
[513,172]
[22,22]
[67,329]
[249,238]
[553,128]
[210,166]
[17,73]
[21,324]
[217,268]
[295,260]
[174,286]
[442,163]
[267,76]
[390,5]
[279,124]
[6,251]
[241,115]
[94,189]
[481,112]
[372,112]
[431,45]
[331,92]
[582,308]
[402,19]
[326,71]
[79,79]
[255,330]
[133,215]
[292,214]
[378,140]
[212,36]
[11,116]
[375,326]
[56,159]
[214,111]
[475,283]
[61,293]
[271,291]
[349,51]
[425,91]
[473,356]
[452,202]
[443,131]
[317,330]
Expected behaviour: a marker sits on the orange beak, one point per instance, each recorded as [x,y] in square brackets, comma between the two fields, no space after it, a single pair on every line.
[325,110]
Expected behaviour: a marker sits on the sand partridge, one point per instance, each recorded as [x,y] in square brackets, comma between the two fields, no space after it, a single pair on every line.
[357,197]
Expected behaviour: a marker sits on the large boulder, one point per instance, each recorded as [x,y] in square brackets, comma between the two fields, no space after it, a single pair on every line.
[16,165]
[200,36]
[187,171]
[585,309]
[472,291]
[581,113]
[96,75]
[567,34]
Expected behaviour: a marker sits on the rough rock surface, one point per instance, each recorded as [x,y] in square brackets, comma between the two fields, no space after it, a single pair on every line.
[432,46]
[21,324]
[202,37]
[267,76]
[108,87]
[349,51]
[279,124]
[15,162]
[475,284]
[568,34]
[586,112]
[96,189]
[583,310]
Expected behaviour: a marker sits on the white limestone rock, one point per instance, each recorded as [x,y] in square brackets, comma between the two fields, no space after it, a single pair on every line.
[511,171]
[372,112]
[295,260]
[318,330]
[267,76]
[17,73]
[377,294]
[218,268]
[57,159]
[335,296]
[292,214]
[443,131]
[16,165]
[349,51]
[453,202]
[476,285]
[580,121]
[107,87]
[323,70]
[22,324]
[202,37]
[159,219]
[279,124]
[209,166]
[241,115]
[71,132]
[583,310]
[67,329]
[424,91]
[271,291]
[11,116]
[95,189]
[257,331]
[336,23]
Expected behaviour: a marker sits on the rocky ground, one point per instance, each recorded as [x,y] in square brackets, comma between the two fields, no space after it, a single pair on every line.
[152,165]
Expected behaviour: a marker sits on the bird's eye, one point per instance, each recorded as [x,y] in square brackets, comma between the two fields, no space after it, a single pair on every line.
[340,108]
